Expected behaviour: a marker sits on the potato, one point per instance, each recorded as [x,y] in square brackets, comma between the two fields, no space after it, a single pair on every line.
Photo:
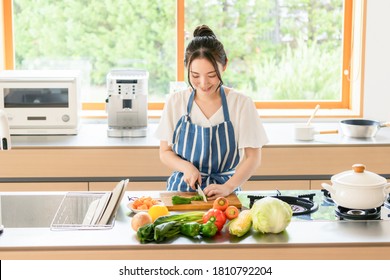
[140,219]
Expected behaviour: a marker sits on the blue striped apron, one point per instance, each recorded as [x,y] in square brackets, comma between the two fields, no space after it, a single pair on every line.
[213,150]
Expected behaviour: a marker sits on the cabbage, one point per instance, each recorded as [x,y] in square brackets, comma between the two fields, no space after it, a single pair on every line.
[270,215]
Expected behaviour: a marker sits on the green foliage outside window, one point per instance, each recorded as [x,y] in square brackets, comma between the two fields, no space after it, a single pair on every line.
[277,49]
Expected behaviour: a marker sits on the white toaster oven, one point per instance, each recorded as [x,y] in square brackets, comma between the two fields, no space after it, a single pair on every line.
[41,102]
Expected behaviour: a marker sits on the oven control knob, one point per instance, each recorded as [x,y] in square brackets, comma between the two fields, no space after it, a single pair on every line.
[65,118]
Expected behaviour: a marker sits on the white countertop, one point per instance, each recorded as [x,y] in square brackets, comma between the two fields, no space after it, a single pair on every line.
[299,232]
[94,135]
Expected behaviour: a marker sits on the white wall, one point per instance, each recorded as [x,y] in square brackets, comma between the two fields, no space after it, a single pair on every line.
[377,61]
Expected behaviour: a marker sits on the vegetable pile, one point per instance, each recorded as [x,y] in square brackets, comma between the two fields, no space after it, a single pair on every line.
[169,226]
[267,215]
[143,203]
[191,224]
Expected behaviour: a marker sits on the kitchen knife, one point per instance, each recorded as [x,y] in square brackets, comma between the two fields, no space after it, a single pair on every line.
[200,192]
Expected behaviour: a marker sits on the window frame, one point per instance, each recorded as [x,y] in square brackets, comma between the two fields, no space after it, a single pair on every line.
[346,106]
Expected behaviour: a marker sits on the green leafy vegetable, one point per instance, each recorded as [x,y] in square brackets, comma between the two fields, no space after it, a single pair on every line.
[177,199]
[169,226]
[166,230]
[193,216]
[270,215]
[197,198]
[146,233]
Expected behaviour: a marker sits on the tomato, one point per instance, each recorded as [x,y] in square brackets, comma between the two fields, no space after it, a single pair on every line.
[221,203]
[216,216]
[231,212]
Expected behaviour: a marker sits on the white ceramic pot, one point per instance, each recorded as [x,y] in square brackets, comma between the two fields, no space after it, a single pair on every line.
[306,132]
[358,188]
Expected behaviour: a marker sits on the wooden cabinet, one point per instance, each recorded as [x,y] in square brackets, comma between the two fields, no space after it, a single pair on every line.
[316,184]
[282,167]
[277,185]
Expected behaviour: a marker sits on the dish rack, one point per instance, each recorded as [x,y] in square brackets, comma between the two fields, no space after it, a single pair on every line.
[73,210]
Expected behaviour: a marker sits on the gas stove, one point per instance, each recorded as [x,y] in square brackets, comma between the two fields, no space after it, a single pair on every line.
[317,205]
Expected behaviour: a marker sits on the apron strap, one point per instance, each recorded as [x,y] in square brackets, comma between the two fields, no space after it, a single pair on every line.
[190,101]
[224,105]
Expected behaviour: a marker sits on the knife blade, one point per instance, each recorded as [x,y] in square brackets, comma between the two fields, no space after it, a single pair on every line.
[200,192]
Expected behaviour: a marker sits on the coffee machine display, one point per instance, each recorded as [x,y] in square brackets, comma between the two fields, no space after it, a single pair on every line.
[127,103]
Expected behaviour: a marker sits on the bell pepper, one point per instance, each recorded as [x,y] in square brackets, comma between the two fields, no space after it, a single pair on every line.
[208,229]
[217,216]
[190,229]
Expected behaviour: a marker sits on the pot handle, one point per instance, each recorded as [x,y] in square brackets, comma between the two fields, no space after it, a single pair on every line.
[328,187]
[328,131]
[385,124]
[387,188]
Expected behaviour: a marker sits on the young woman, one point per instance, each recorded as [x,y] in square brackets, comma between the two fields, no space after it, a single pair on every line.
[209,135]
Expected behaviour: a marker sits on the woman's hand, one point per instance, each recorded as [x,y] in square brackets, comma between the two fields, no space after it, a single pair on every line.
[252,159]
[191,175]
[214,191]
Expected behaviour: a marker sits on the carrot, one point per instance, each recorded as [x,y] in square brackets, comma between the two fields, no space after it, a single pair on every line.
[144,203]
[143,207]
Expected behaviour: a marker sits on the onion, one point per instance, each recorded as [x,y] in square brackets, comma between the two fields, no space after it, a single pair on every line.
[140,219]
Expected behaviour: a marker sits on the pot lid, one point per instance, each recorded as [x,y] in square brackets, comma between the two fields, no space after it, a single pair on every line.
[358,176]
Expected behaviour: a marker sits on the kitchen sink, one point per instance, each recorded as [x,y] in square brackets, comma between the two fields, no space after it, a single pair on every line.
[28,211]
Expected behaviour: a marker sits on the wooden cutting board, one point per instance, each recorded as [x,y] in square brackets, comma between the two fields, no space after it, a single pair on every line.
[166,198]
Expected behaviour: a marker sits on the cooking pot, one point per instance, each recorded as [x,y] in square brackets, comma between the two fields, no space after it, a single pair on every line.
[306,132]
[358,188]
[361,128]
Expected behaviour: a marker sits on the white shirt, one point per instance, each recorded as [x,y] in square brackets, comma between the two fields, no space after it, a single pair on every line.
[248,129]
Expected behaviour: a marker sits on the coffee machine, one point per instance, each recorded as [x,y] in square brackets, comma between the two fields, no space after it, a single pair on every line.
[127,103]
[5,138]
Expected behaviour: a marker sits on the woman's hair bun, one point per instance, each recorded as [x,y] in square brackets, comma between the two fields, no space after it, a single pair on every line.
[203,31]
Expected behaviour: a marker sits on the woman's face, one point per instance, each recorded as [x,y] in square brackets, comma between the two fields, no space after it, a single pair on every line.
[203,76]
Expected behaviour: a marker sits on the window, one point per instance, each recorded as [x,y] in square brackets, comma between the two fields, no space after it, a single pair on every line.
[285,54]
[98,36]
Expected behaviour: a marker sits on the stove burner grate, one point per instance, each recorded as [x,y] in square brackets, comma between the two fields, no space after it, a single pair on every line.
[387,202]
[327,196]
[301,205]
[344,213]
